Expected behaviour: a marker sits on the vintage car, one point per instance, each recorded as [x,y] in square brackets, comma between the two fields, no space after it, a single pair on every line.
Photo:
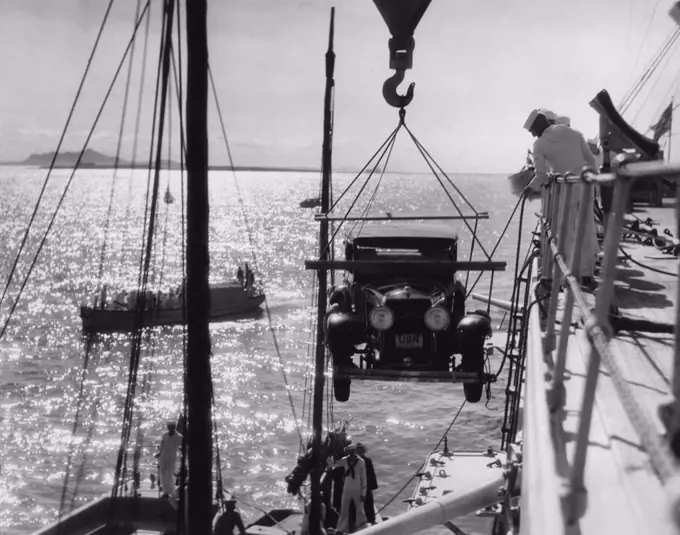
[401,311]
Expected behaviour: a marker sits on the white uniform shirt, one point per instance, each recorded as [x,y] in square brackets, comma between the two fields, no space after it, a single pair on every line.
[170,444]
[358,482]
[561,149]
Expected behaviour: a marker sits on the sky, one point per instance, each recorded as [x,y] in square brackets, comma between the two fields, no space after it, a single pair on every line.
[480,68]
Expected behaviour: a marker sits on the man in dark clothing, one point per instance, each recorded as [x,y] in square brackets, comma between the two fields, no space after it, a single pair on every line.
[229,520]
[371,483]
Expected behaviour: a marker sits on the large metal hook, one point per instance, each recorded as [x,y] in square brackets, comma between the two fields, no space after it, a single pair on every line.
[390,90]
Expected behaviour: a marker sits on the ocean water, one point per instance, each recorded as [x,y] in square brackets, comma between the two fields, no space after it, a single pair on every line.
[255,217]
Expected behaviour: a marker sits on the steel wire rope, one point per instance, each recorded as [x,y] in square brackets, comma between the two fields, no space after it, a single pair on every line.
[429,160]
[388,151]
[251,241]
[177,76]
[167,205]
[665,61]
[425,156]
[363,187]
[90,338]
[419,471]
[640,81]
[135,144]
[354,180]
[74,428]
[650,71]
[150,207]
[70,180]
[649,25]
[307,397]
[97,401]
[141,304]
[56,152]
[500,238]
[107,224]
[86,444]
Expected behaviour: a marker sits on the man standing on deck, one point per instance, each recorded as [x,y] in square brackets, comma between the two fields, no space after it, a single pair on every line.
[371,483]
[167,459]
[560,149]
[353,491]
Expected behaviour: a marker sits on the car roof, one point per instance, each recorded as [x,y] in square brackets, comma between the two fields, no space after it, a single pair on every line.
[409,230]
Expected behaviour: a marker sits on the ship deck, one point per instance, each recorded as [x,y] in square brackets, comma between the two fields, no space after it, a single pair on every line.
[624,493]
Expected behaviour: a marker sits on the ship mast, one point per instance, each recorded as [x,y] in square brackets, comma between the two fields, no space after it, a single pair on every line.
[320,363]
[198,378]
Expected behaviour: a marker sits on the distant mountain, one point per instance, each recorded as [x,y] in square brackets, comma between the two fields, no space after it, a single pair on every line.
[91,158]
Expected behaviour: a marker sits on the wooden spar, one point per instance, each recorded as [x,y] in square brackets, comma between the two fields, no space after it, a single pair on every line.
[320,361]
[440,511]
[198,379]
[499,303]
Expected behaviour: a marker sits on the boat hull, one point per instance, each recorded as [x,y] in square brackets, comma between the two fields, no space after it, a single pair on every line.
[226,301]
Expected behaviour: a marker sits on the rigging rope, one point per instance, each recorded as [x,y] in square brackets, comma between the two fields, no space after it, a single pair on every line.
[109,210]
[251,241]
[56,153]
[419,471]
[70,180]
[646,75]
[141,303]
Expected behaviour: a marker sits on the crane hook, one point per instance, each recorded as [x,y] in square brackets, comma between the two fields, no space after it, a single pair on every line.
[390,90]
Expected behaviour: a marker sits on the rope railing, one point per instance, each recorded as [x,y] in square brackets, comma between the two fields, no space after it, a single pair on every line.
[558,266]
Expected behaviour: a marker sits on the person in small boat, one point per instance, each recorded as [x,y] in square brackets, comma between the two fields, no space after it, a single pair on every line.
[229,520]
[172,301]
[103,297]
[167,459]
[239,275]
[560,149]
[120,302]
[371,483]
[353,491]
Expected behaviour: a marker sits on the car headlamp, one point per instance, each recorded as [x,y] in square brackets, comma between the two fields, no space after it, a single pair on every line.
[381,318]
[437,319]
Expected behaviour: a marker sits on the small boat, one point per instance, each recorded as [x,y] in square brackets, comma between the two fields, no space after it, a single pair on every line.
[311,202]
[167,308]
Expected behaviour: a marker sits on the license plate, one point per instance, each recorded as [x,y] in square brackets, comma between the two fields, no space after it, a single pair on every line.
[408,341]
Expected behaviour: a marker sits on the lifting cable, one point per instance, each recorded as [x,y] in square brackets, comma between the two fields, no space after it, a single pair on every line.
[254,256]
[386,152]
[382,151]
[432,164]
[500,239]
[56,152]
[420,470]
[70,180]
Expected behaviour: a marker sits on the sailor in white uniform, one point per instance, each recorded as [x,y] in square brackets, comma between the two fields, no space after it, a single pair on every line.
[167,459]
[560,149]
[353,491]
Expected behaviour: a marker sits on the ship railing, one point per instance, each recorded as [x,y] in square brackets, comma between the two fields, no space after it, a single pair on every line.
[561,261]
